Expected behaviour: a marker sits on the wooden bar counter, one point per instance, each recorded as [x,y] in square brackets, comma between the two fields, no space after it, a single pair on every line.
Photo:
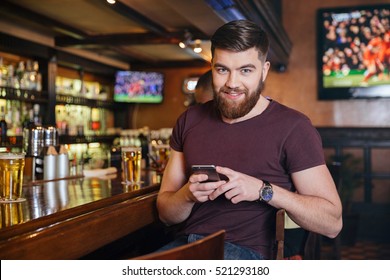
[68,219]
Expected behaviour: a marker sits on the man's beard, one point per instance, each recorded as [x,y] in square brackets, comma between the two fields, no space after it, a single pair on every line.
[230,109]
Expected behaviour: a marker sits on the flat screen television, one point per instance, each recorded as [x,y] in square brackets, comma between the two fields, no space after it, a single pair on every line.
[139,87]
[353,52]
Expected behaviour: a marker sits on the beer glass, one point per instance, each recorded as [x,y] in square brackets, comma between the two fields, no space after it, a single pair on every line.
[161,152]
[11,176]
[131,164]
[11,214]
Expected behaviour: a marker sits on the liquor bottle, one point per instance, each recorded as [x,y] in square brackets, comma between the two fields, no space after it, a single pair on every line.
[3,73]
[36,117]
[37,76]
[11,80]
[80,123]
[8,118]
[28,76]
[3,126]
[17,124]
[59,120]
[73,119]
[20,81]
[144,139]
[95,119]
[28,118]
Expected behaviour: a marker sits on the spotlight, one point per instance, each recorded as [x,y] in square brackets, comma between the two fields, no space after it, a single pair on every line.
[186,41]
[197,48]
[182,45]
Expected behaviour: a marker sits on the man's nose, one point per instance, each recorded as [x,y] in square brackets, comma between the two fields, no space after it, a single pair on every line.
[233,80]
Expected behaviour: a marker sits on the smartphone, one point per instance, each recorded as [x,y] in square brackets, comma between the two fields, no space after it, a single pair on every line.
[209,170]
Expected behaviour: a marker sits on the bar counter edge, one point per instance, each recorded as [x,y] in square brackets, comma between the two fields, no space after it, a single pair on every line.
[76,232]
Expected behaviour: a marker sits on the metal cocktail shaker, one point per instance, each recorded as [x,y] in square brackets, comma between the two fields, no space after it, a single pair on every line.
[36,141]
[51,137]
[33,144]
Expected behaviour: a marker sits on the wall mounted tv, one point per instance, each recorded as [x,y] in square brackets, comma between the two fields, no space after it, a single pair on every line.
[138,87]
[353,49]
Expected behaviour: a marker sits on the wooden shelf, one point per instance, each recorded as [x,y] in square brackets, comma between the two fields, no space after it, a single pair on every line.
[76,100]
[25,95]
[65,139]
[17,141]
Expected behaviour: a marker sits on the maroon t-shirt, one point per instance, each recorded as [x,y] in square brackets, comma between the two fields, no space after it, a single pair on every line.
[269,146]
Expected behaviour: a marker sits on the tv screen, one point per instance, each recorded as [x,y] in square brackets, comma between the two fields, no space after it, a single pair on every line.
[138,87]
[353,47]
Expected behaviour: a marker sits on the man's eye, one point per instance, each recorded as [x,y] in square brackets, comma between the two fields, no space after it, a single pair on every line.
[246,71]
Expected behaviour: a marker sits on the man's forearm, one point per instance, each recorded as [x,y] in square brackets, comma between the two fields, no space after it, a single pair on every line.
[174,207]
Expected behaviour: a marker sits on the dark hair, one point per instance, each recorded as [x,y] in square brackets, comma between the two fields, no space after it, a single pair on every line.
[205,80]
[240,35]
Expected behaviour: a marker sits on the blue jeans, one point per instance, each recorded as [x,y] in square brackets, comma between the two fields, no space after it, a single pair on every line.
[231,251]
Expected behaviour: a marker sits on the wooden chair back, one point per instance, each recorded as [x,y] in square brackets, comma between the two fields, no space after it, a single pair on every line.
[311,240]
[279,234]
[210,247]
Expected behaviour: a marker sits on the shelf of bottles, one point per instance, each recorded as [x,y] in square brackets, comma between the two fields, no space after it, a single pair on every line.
[83,112]
[24,76]
[15,115]
[85,119]
[94,155]
[21,80]
[20,94]
[23,94]
[86,93]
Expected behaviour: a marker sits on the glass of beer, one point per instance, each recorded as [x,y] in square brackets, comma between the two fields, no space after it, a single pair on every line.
[12,214]
[11,176]
[131,164]
[161,152]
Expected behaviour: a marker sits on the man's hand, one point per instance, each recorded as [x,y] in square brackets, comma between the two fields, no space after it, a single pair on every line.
[200,191]
[240,187]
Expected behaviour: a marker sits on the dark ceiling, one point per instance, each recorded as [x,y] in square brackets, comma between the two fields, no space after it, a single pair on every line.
[142,33]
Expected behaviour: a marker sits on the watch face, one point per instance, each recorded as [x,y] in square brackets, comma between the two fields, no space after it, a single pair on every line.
[267,193]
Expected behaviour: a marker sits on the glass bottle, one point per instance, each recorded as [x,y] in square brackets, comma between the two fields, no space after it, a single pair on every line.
[95,119]
[11,81]
[8,118]
[3,73]
[38,76]
[20,77]
[3,126]
[18,130]
[28,116]
[28,76]
[36,116]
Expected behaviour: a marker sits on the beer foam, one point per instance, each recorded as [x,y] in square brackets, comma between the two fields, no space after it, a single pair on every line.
[11,155]
[131,149]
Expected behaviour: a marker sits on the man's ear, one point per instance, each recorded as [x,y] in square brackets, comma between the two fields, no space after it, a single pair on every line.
[266,67]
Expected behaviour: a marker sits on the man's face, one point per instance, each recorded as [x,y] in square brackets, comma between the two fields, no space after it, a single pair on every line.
[237,81]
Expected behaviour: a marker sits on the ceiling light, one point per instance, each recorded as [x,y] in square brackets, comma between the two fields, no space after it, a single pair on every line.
[111,1]
[186,41]
[197,47]
[182,45]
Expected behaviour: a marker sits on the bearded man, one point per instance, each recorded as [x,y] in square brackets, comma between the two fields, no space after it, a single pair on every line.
[268,155]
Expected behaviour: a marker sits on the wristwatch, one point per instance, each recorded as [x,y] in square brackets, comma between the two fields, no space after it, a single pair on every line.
[266,192]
